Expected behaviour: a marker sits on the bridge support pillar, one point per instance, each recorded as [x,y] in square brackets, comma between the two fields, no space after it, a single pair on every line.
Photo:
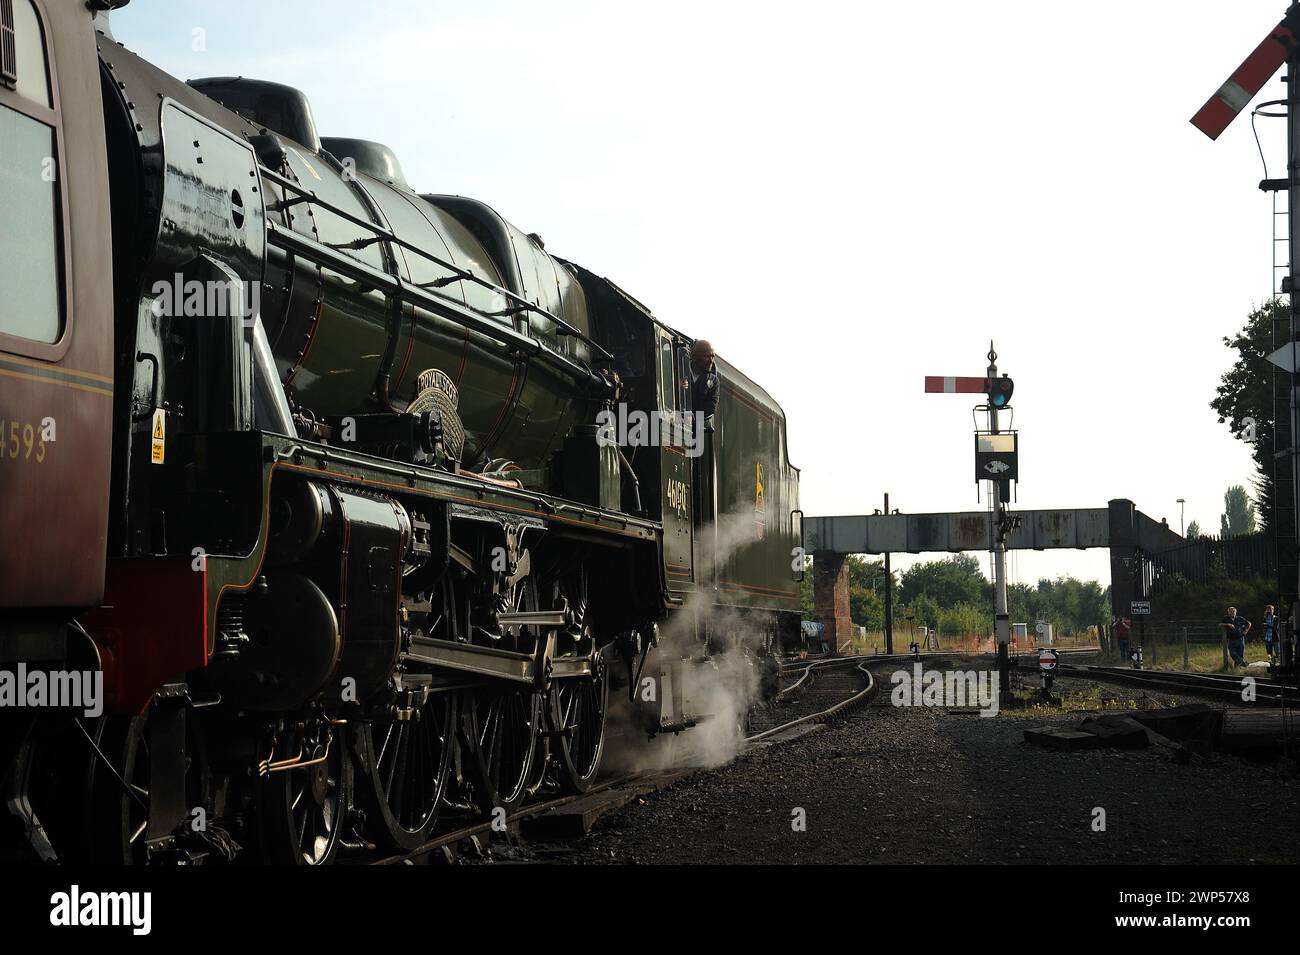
[831,598]
[1126,574]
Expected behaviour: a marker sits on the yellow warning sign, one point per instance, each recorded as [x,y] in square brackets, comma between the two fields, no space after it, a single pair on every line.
[760,504]
[159,447]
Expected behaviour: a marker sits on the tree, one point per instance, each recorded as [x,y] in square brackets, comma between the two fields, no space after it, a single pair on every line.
[1070,605]
[925,612]
[953,596]
[964,620]
[1193,531]
[1023,603]
[948,583]
[1244,397]
[867,592]
[1238,513]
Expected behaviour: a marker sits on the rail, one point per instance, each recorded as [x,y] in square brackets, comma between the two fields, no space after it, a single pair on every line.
[1213,685]
[830,712]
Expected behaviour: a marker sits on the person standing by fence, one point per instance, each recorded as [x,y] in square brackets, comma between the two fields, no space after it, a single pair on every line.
[1270,633]
[1235,628]
[1122,628]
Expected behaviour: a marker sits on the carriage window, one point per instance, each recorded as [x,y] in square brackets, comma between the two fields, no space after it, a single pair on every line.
[30,243]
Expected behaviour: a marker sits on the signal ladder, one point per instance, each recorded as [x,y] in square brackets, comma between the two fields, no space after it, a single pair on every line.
[1284,511]
[1284,478]
[1281,237]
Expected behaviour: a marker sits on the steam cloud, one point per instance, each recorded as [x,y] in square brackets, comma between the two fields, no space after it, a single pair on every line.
[720,687]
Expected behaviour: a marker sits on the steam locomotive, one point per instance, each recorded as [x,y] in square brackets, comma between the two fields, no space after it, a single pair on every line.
[335,488]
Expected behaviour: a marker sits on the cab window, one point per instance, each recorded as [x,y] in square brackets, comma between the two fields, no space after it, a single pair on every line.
[31,257]
[667,380]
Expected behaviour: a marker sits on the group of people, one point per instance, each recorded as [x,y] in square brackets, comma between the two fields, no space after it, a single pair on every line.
[1236,627]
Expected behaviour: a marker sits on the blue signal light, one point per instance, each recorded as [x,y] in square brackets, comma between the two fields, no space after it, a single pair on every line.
[1000,391]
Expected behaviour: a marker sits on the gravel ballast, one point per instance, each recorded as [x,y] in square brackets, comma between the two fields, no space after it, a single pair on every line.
[926,785]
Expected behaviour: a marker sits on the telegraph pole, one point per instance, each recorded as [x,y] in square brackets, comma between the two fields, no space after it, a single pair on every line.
[889,596]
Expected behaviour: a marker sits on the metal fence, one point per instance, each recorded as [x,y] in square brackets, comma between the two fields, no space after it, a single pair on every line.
[1205,558]
[1175,631]
[1172,641]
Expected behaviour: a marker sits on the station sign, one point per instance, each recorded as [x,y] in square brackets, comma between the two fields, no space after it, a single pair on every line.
[1140,608]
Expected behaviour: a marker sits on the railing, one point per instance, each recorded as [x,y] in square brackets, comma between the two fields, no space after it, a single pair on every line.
[1174,631]
[1205,558]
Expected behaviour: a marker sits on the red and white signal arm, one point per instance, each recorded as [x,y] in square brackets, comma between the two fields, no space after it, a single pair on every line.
[1240,88]
[1048,659]
[955,385]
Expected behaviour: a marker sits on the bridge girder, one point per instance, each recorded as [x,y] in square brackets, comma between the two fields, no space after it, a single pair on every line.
[1119,526]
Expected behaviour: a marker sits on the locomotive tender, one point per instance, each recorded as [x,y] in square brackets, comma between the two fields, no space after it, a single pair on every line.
[306,464]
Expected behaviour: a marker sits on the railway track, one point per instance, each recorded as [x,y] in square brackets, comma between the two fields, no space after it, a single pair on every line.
[818,691]
[823,689]
[1212,685]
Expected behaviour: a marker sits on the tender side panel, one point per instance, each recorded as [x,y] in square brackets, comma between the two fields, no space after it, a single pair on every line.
[757,491]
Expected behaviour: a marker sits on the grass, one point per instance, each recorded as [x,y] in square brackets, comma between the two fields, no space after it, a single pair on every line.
[1201,657]
[1075,701]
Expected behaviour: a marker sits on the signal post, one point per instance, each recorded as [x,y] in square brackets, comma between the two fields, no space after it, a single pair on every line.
[1281,47]
[996,461]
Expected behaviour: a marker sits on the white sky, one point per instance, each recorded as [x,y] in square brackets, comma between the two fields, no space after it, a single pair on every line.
[845,197]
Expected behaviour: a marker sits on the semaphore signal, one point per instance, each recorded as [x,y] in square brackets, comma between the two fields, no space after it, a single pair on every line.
[996,461]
